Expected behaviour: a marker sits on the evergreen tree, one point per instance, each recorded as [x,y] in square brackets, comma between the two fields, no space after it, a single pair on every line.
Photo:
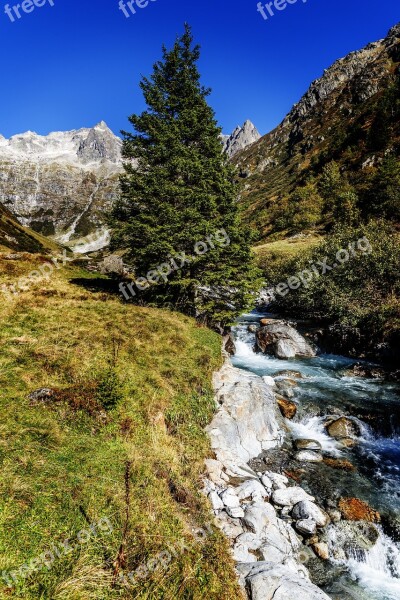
[178,190]
[383,199]
[307,205]
[341,200]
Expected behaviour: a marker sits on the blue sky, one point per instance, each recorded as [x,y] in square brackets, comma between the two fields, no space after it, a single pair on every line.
[79,62]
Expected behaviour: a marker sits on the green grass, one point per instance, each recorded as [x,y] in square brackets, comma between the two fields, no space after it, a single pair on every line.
[136,460]
[274,253]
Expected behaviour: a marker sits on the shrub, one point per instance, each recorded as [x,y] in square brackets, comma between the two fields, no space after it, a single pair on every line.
[109,391]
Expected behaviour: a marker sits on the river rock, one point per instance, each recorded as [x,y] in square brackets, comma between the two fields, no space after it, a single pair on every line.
[283,341]
[288,581]
[343,428]
[364,370]
[230,499]
[258,517]
[230,527]
[251,489]
[348,442]
[338,463]
[306,527]
[287,407]
[245,547]
[270,381]
[285,389]
[347,537]
[309,456]
[335,516]
[236,512]
[252,328]
[308,445]
[308,510]
[290,496]
[321,550]
[271,554]
[279,481]
[290,374]
[354,509]
[248,420]
[216,501]
[236,474]
[267,482]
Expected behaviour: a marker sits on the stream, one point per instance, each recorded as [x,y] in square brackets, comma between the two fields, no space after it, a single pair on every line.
[326,389]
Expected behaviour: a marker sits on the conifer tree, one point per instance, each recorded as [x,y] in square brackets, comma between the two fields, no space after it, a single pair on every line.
[178,190]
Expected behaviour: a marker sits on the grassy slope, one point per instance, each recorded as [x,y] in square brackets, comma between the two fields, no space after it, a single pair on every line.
[271,252]
[15,237]
[336,128]
[65,458]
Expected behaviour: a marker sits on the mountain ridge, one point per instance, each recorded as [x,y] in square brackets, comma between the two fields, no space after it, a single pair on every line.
[62,184]
[333,117]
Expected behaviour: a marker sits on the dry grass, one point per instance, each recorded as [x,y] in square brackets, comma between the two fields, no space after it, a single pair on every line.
[66,457]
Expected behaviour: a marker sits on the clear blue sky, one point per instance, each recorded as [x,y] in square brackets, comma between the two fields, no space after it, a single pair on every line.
[78,62]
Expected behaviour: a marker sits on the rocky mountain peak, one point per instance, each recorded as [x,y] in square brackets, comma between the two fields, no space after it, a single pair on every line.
[241,138]
[394,33]
[338,105]
[100,144]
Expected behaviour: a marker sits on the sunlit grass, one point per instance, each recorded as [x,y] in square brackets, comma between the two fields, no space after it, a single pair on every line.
[66,458]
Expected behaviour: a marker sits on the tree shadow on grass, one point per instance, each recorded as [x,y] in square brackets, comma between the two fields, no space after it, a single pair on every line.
[98,285]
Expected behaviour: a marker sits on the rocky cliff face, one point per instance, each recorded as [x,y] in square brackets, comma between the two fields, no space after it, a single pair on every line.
[62,184]
[241,138]
[334,115]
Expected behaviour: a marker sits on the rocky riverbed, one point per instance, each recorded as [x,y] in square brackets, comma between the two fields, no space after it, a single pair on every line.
[283,484]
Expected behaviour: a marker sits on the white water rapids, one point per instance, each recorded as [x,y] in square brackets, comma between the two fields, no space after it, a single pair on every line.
[373,574]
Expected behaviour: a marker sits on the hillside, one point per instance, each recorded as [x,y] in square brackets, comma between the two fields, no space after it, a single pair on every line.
[15,237]
[350,115]
[103,407]
[60,185]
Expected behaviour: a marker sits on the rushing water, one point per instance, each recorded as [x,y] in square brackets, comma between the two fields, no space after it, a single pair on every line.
[327,389]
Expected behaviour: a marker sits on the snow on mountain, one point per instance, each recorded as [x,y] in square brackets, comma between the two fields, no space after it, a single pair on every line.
[62,184]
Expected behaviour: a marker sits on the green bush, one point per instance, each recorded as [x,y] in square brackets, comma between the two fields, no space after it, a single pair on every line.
[362,293]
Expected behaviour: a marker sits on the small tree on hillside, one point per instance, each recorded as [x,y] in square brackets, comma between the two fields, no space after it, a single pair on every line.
[180,191]
[340,198]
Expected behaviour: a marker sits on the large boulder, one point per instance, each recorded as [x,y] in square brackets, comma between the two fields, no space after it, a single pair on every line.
[288,581]
[248,420]
[283,341]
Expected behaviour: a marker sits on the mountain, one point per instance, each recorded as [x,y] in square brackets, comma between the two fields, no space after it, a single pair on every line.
[241,138]
[348,115]
[62,184]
